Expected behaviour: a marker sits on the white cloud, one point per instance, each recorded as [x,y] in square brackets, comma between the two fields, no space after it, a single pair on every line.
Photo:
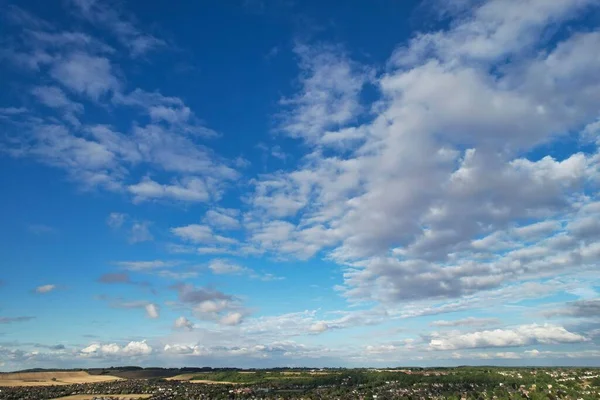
[226,267]
[152,310]
[381,349]
[45,288]
[538,230]
[492,30]
[193,190]
[223,267]
[226,219]
[233,318]
[211,250]
[307,322]
[54,97]
[98,155]
[137,348]
[85,74]
[133,348]
[12,110]
[429,198]
[275,350]
[183,323]
[523,335]
[211,305]
[183,349]
[115,220]
[96,348]
[86,161]
[140,232]
[124,29]
[116,142]
[440,184]
[146,265]
[471,321]
[319,327]
[201,234]
[331,84]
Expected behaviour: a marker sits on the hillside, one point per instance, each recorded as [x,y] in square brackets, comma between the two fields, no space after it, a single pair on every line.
[47,378]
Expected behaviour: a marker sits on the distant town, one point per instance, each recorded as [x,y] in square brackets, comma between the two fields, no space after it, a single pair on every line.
[128,383]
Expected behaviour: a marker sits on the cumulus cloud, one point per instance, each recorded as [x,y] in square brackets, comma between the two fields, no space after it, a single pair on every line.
[132,349]
[438,184]
[271,350]
[331,84]
[434,197]
[152,310]
[195,295]
[319,327]
[181,349]
[210,304]
[523,335]
[85,74]
[232,318]
[183,323]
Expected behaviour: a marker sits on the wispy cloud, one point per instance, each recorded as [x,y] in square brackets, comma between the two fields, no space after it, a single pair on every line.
[140,232]
[146,265]
[122,27]
[471,321]
[45,288]
[41,229]
[226,267]
[10,320]
[115,220]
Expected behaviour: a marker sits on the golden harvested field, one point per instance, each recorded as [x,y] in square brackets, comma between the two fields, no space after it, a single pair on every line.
[182,377]
[52,378]
[118,396]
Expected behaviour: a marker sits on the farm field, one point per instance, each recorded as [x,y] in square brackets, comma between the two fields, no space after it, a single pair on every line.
[52,378]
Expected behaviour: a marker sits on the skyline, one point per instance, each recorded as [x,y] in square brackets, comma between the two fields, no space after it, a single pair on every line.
[263,183]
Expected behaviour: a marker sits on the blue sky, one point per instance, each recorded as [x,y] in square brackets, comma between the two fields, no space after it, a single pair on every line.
[280,183]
